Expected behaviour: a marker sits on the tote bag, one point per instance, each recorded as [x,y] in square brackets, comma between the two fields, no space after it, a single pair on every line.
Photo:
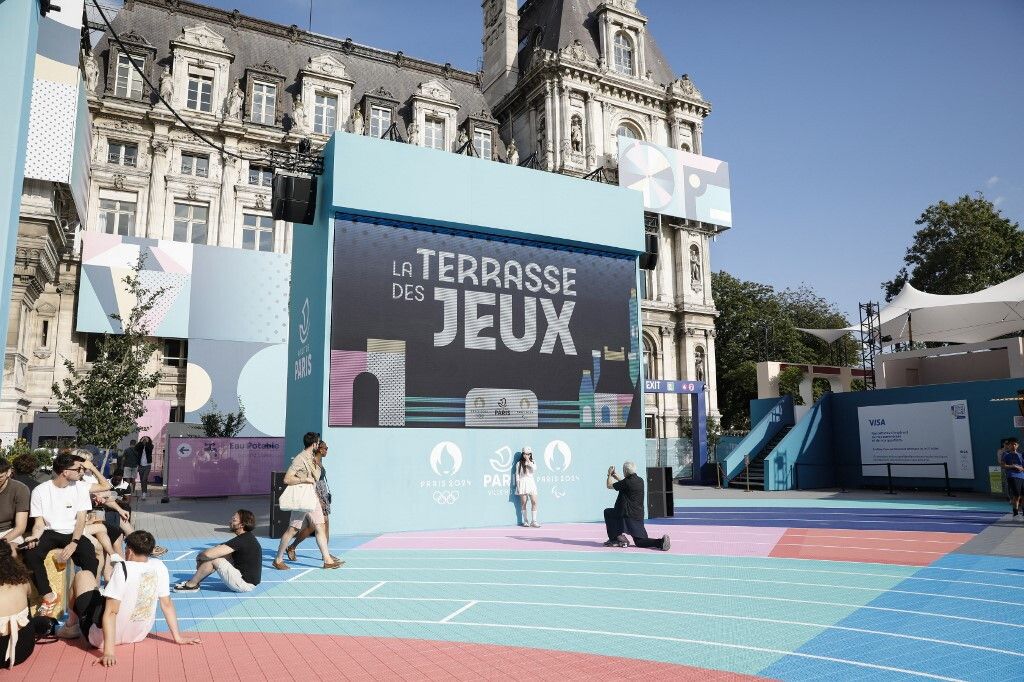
[299,497]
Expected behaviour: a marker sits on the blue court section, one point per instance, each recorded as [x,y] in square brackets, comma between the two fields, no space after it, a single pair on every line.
[860,518]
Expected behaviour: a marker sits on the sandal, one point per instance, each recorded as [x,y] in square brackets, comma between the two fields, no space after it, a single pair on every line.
[159,551]
[280,565]
[334,564]
[291,554]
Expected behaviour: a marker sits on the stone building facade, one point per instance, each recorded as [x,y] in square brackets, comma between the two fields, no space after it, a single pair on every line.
[560,80]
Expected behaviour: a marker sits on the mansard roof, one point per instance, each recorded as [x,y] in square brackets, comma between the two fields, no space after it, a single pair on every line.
[560,22]
[289,49]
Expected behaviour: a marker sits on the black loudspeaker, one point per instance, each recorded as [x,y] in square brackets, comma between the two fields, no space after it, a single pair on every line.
[649,258]
[278,519]
[294,198]
[656,505]
[660,500]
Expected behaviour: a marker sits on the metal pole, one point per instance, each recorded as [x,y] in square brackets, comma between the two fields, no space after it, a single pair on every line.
[888,469]
[746,470]
[718,475]
[796,475]
[945,470]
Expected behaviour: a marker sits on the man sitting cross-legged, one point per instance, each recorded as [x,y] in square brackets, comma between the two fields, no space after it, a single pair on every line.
[125,611]
[239,561]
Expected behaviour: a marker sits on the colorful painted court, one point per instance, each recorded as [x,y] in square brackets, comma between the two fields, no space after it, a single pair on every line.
[770,588]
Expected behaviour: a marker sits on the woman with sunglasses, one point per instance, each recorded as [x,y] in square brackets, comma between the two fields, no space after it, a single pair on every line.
[323,493]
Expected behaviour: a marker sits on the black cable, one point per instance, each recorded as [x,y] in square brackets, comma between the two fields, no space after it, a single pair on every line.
[198,134]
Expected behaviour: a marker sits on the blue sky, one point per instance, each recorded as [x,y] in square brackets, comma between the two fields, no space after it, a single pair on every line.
[841,121]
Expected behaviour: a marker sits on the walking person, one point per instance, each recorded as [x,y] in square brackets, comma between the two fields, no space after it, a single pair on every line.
[145,448]
[627,516]
[18,631]
[130,462]
[1013,465]
[526,487]
[323,494]
[305,469]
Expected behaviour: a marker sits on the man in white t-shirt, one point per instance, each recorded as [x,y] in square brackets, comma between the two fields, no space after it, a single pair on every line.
[59,508]
[124,612]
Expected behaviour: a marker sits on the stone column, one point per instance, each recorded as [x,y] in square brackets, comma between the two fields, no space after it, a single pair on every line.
[674,136]
[698,138]
[154,226]
[680,267]
[589,110]
[564,125]
[665,246]
[226,223]
[548,126]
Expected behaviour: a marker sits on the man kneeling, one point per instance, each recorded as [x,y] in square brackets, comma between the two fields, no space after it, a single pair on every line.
[239,561]
[627,516]
[125,611]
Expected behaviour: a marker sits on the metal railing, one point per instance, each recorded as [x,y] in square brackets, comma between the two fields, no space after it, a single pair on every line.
[840,483]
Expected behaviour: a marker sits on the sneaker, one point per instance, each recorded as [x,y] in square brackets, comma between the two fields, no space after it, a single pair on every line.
[69,632]
[623,540]
[611,543]
[183,586]
[666,543]
[534,525]
[524,524]
[144,495]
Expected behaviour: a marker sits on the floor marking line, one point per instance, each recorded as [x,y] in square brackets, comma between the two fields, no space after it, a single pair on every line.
[766,511]
[752,597]
[299,575]
[181,557]
[456,612]
[378,585]
[878,590]
[599,607]
[627,635]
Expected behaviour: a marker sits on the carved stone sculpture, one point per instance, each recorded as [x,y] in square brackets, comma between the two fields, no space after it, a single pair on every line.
[412,133]
[576,134]
[512,154]
[462,141]
[357,121]
[298,116]
[92,73]
[166,84]
[233,103]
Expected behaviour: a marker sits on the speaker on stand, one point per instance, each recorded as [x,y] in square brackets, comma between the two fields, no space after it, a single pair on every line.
[278,518]
[649,258]
[293,198]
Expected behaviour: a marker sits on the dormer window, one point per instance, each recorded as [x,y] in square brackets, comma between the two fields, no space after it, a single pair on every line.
[325,114]
[482,142]
[200,90]
[264,103]
[129,82]
[623,54]
[433,133]
[380,121]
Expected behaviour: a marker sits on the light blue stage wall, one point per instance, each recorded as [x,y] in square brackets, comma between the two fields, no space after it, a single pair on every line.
[406,478]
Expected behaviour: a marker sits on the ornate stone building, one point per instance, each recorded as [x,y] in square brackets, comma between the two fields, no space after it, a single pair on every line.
[561,78]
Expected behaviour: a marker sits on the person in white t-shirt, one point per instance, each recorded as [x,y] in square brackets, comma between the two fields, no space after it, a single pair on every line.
[59,508]
[124,612]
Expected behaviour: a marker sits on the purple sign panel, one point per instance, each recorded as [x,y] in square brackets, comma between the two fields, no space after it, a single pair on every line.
[214,467]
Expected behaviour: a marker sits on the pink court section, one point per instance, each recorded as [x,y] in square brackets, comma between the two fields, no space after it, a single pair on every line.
[710,540]
[252,656]
[909,548]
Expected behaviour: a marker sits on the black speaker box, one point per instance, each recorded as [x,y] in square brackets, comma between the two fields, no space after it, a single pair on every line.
[656,505]
[294,198]
[278,519]
[649,258]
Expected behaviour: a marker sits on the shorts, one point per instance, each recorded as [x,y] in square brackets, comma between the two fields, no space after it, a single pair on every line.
[1015,486]
[129,473]
[89,608]
[316,517]
[231,576]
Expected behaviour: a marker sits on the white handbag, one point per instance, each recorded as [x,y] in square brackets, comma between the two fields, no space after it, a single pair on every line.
[299,497]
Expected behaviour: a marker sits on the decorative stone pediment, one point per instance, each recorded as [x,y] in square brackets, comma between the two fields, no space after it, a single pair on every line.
[576,52]
[46,310]
[684,87]
[326,65]
[435,89]
[203,36]
[133,38]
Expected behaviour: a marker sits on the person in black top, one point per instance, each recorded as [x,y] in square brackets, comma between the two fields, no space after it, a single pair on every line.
[627,516]
[239,561]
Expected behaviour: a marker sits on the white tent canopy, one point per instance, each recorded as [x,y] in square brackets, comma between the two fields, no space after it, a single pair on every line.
[961,318]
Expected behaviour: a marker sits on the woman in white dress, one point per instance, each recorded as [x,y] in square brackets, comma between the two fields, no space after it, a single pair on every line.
[526,486]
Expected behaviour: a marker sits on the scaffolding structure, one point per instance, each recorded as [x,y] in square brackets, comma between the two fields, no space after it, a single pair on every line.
[870,340]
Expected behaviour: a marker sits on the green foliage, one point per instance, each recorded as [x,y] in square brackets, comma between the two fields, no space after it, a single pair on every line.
[104,402]
[714,429]
[19,447]
[963,247]
[819,387]
[223,424]
[789,383]
[758,323]
[858,385]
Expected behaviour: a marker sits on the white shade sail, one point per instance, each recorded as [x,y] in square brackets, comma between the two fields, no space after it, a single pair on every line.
[961,318]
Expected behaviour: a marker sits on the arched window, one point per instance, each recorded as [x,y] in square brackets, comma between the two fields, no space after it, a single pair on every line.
[623,54]
[626,130]
[650,360]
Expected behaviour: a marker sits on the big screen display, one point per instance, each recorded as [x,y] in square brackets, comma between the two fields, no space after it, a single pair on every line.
[439,328]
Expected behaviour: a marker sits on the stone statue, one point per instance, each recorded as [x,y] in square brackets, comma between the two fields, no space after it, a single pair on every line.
[233,103]
[462,141]
[576,134]
[542,146]
[695,265]
[357,121]
[92,73]
[512,154]
[298,116]
[166,85]
[698,365]
[412,133]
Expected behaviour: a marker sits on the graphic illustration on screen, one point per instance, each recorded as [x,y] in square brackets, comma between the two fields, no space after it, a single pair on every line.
[433,328]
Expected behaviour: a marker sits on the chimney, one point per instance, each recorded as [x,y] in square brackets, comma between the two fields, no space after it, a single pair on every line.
[501,43]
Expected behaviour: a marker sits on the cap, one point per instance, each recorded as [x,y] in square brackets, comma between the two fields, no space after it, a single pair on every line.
[527,450]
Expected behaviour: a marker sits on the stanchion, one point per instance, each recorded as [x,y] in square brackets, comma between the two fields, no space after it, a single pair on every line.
[718,476]
[746,470]
[888,470]
[945,470]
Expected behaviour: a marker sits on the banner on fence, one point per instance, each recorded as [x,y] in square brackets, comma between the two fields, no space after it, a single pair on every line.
[216,467]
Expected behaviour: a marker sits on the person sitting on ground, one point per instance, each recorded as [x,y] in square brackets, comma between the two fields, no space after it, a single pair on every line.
[14,504]
[305,468]
[239,561]
[125,611]
[323,495]
[25,466]
[1013,465]
[59,508]
[18,632]
[627,516]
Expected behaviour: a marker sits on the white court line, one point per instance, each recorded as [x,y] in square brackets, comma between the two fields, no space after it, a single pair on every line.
[181,557]
[377,586]
[762,511]
[759,569]
[879,590]
[752,597]
[687,530]
[673,612]
[457,612]
[544,628]
[809,520]
[299,575]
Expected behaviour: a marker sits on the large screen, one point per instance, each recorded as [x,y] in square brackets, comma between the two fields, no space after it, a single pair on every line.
[438,328]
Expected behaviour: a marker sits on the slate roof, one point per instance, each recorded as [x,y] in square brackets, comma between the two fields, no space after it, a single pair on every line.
[254,41]
[560,22]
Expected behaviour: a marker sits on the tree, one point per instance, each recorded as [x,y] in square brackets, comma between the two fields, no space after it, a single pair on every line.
[963,247]
[759,323]
[789,383]
[218,424]
[104,403]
